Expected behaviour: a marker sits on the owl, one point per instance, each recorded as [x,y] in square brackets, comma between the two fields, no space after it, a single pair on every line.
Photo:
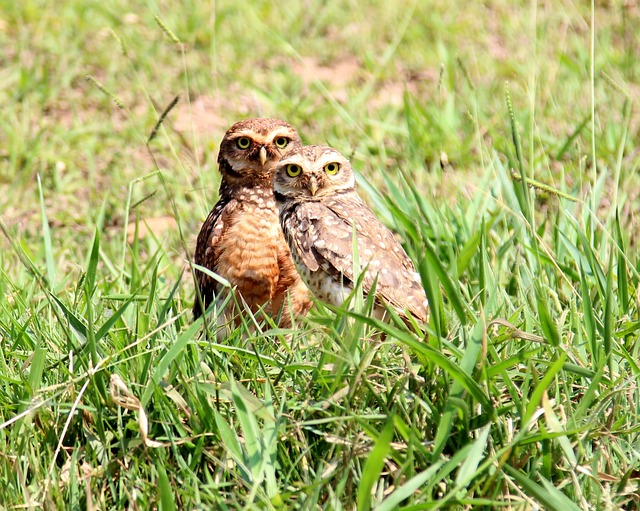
[321,213]
[241,239]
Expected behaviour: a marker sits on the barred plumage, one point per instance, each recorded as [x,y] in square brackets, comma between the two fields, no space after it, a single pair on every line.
[241,239]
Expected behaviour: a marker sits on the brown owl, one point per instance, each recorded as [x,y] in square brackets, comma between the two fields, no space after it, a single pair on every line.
[320,212]
[241,239]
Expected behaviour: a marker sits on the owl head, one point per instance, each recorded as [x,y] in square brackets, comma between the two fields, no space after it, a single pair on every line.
[313,172]
[251,148]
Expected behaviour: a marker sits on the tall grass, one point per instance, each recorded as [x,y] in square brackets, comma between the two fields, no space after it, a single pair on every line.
[518,209]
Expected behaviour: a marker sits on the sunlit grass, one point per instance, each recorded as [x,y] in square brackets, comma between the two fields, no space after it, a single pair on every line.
[522,393]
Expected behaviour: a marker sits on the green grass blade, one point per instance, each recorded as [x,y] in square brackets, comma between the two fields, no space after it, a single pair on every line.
[571,138]
[113,319]
[474,458]
[546,322]
[483,269]
[549,496]
[75,322]
[542,387]
[556,427]
[48,244]
[431,354]
[409,488]
[609,307]
[92,265]
[455,402]
[165,491]
[374,465]
[36,370]
[623,280]
[254,441]
[232,444]
[447,283]
[434,296]
[176,350]
[468,251]
[522,192]
[589,317]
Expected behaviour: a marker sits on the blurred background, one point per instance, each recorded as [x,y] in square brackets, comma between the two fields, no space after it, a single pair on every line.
[407,85]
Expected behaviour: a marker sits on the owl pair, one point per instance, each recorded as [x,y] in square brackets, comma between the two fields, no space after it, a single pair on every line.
[273,185]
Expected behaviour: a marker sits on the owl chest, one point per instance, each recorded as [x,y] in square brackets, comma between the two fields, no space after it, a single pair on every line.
[248,254]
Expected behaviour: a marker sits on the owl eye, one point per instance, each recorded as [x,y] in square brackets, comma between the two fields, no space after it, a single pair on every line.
[281,142]
[332,168]
[293,170]
[243,142]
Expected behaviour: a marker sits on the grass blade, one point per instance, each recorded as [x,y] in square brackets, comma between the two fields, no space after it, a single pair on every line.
[455,402]
[474,458]
[48,245]
[167,497]
[548,495]
[541,388]
[409,488]
[177,348]
[447,283]
[374,465]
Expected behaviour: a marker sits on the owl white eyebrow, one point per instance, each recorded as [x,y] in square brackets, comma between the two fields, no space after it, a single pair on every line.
[258,137]
[281,131]
[298,159]
[246,133]
[328,158]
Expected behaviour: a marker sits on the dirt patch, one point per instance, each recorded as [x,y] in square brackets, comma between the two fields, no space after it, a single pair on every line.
[147,226]
[345,75]
[416,83]
[203,116]
[337,74]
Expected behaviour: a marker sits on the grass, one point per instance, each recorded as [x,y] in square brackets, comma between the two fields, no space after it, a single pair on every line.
[518,202]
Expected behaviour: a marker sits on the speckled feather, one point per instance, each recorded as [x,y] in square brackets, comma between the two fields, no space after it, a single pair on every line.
[319,230]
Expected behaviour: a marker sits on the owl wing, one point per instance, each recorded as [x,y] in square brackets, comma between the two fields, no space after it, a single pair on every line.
[206,253]
[326,241]
[302,232]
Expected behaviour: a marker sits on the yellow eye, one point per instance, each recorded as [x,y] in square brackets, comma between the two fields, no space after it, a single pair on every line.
[243,142]
[281,142]
[293,170]
[332,168]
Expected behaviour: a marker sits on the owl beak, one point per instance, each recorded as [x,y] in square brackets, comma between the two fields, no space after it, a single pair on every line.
[313,185]
[263,155]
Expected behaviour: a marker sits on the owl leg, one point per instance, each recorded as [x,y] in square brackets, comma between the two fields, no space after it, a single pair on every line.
[295,303]
[219,315]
